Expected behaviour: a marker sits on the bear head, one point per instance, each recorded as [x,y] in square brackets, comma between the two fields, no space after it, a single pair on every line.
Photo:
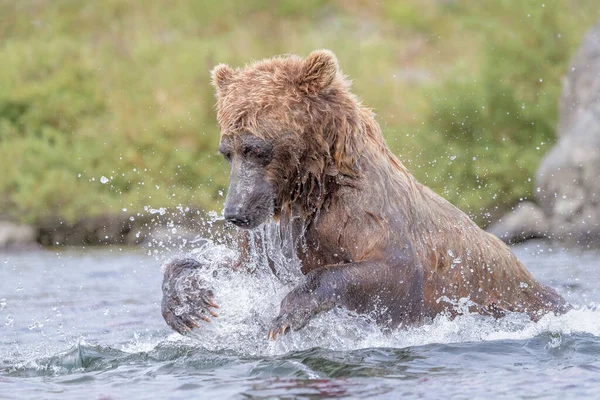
[285,127]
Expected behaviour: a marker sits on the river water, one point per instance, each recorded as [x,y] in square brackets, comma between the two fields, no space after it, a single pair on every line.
[86,323]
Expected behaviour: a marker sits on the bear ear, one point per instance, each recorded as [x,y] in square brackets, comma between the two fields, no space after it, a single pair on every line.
[320,68]
[221,76]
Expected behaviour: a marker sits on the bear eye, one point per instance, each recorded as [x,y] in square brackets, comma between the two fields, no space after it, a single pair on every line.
[226,153]
[249,151]
[254,151]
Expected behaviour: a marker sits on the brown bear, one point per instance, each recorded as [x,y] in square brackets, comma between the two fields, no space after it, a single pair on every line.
[305,153]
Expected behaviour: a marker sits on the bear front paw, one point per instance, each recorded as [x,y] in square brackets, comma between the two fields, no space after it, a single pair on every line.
[289,321]
[185,301]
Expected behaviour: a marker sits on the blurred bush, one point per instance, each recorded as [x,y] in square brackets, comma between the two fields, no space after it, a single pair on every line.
[107,105]
[496,123]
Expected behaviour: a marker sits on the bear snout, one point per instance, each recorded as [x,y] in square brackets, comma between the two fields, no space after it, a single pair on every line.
[236,216]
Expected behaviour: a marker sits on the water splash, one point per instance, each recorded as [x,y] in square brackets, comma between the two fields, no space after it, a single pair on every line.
[250,301]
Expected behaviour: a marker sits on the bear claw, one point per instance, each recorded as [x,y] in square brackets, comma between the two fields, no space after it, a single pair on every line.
[273,332]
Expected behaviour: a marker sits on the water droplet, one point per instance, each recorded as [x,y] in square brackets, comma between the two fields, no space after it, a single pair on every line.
[103,179]
[35,324]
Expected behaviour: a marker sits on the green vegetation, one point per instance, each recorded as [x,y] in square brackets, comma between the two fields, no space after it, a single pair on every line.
[466,92]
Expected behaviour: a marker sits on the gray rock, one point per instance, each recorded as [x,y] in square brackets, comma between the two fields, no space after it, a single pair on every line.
[568,185]
[12,234]
[527,221]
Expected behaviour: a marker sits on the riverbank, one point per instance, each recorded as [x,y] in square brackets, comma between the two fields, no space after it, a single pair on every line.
[168,227]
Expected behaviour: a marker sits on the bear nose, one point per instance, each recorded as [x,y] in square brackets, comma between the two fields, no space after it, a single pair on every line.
[235,216]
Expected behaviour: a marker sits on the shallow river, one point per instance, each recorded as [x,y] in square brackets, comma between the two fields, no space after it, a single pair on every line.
[86,323]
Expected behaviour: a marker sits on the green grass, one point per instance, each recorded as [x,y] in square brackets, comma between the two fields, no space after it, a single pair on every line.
[466,92]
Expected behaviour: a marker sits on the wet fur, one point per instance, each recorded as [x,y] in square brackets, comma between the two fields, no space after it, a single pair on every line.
[375,240]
